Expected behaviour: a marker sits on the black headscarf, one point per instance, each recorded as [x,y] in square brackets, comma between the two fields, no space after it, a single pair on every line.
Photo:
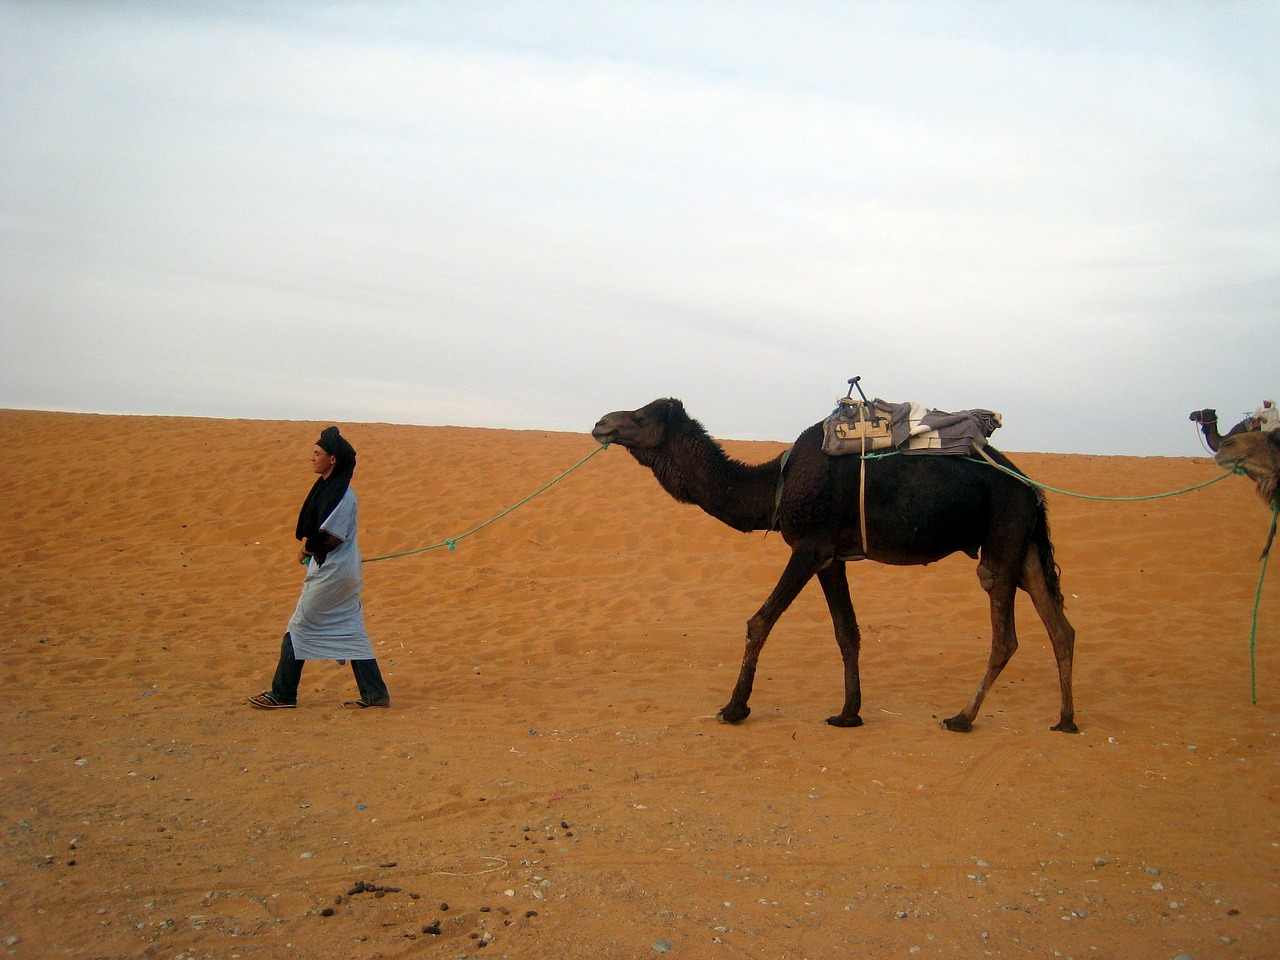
[326,492]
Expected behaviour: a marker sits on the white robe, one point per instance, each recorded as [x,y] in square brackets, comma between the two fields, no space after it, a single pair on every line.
[329,621]
[1268,418]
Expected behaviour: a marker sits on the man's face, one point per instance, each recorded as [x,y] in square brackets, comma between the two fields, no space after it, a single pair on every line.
[321,462]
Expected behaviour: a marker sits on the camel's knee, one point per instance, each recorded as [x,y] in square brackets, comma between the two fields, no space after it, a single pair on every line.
[758,630]
[986,577]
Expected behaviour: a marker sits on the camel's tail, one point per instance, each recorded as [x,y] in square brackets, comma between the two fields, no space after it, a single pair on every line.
[1044,545]
[1052,572]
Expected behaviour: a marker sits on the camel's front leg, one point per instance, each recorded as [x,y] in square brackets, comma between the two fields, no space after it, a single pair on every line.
[799,570]
[835,585]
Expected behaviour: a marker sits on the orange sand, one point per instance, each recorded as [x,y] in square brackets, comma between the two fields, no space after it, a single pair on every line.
[551,768]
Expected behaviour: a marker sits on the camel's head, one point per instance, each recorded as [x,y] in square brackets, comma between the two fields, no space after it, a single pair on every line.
[1207,415]
[641,430]
[1257,454]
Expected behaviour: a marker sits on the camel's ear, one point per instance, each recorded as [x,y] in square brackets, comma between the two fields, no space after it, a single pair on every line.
[673,410]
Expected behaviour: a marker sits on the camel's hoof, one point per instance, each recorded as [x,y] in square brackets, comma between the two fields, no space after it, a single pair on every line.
[840,720]
[1065,726]
[732,714]
[958,724]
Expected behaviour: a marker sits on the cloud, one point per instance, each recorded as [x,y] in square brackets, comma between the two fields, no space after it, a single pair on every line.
[400,211]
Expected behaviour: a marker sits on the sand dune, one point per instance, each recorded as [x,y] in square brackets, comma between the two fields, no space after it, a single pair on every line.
[551,769]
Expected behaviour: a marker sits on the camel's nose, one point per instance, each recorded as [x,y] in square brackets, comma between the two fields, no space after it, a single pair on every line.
[603,431]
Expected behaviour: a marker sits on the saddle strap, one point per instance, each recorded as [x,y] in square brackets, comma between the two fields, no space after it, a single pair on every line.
[862,497]
[776,522]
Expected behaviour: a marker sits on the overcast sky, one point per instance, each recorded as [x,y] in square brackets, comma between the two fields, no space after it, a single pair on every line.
[528,214]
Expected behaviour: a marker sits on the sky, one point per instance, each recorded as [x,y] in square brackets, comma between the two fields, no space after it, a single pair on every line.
[525,215]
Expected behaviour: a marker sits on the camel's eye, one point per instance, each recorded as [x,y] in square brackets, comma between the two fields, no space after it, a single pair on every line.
[641,420]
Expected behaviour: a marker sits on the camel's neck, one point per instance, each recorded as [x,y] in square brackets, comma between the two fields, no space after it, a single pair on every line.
[694,469]
[1211,435]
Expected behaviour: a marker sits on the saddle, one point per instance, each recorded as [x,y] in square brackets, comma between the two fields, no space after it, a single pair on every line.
[860,427]
[857,427]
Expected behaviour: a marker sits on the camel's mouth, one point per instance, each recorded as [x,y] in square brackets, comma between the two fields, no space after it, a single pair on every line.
[606,431]
[604,436]
[1232,464]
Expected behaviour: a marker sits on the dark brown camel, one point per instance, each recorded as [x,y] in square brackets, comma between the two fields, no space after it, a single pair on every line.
[919,510]
[1256,453]
[1208,420]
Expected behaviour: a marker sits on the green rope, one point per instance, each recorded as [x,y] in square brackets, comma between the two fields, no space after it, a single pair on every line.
[1067,493]
[1257,601]
[452,542]
[1084,496]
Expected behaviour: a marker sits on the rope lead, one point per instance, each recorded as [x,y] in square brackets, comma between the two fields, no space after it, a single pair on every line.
[1084,496]
[452,542]
[1257,601]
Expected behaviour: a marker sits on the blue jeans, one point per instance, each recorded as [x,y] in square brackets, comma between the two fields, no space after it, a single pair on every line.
[284,686]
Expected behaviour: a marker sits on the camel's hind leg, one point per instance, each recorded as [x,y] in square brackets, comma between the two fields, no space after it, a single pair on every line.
[1061,634]
[1001,587]
[799,571]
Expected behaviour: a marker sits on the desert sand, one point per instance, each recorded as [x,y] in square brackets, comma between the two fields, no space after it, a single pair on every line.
[551,780]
